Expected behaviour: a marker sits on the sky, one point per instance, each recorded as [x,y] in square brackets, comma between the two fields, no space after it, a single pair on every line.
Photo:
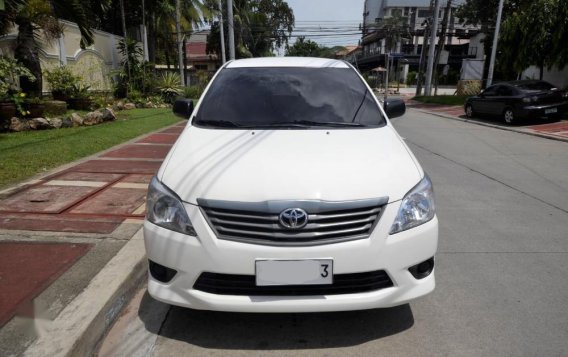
[328,22]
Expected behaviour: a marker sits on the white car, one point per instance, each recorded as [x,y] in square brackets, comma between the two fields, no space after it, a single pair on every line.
[290,191]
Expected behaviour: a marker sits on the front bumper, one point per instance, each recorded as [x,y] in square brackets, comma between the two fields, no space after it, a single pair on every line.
[191,256]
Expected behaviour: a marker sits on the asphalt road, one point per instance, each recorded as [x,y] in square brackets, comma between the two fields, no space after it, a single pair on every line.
[502,268]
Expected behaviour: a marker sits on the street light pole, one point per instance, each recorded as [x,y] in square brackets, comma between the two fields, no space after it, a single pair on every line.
[222,29]
[433,35]
[179,42]
[231,29]
[495,41]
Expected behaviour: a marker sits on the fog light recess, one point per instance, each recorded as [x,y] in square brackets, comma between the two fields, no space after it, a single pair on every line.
[422,270]
[160,272]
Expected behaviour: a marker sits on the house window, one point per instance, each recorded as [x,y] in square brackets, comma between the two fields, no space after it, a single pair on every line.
[424,13]
[201,67]
[396,12]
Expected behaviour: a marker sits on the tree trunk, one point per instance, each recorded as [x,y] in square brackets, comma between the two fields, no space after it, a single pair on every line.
[26,52]
[541,74]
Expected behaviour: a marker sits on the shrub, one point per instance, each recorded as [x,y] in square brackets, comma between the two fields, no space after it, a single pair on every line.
[61,80]
[10,71]
[170,86]
[411,78]
[193,92]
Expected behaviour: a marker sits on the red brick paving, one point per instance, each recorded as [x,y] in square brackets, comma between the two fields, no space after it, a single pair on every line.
[551,127]
[26,269]
[87,176]
[81,209]
[137,178]
[140,151]
[173,130]
[159,139]
[119,166]
[59,223]
[45,199]
[113,201]
[71,206]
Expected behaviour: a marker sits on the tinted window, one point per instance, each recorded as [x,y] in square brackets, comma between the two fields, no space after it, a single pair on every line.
[288,97]
[504,91]
[491,91]
[534,86]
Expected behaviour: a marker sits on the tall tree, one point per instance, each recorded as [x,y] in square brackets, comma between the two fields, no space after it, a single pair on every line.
[530,36]
[309,48]
[261,26]
[394,28]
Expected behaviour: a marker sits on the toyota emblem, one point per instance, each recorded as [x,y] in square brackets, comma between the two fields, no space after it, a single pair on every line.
[293,218]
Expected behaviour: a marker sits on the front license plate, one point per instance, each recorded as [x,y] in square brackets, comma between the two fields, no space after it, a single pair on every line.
[294,272]
[551,110]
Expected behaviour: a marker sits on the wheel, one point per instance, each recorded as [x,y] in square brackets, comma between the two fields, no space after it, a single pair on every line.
[509,116]
[469,111]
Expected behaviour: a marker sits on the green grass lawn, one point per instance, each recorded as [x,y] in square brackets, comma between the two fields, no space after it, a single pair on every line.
[27,153]
[443,99]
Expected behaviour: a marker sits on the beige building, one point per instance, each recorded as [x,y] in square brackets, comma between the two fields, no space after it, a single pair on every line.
[93,64]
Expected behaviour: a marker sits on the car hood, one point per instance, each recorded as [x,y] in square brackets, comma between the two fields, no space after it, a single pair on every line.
[263,165]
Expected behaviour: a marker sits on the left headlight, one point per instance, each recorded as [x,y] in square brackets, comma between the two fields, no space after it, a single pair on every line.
[165,209]
[416,208]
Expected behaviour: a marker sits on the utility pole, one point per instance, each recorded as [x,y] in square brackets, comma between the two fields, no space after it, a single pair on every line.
[222,29]
[428,88]
[179,42]
[441,43]
[420,76]
[231,30]
[495,41]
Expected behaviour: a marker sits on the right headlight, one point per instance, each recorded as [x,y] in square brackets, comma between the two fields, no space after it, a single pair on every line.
[165,209]
[416,208]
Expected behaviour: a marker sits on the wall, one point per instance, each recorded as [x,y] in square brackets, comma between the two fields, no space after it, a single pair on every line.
[93,64]
[555,76]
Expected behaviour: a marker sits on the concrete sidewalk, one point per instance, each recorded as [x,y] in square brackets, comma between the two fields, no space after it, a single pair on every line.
[67,260]
[556,130]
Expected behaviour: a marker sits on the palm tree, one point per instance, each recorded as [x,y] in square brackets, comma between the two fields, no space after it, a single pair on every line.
[395,28]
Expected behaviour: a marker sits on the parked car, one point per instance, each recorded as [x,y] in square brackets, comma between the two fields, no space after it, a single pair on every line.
[290,191]
[518,100]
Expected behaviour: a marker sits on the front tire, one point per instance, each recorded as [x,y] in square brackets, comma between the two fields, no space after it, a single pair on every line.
[469,111]
[509,116]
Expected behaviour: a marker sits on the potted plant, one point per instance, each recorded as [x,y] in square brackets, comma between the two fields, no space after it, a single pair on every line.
[10,97]
[34,107]
[61,81]
[79,97]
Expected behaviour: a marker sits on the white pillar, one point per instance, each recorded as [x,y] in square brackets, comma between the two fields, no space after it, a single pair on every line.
[62,53]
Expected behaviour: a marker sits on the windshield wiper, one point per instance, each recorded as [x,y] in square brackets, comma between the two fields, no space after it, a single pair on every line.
[326,123]
[219,123]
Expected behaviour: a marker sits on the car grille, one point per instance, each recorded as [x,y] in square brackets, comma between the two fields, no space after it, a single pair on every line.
[228,284]
[258,223]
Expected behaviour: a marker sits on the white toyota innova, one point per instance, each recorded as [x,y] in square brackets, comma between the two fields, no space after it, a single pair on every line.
[290,191]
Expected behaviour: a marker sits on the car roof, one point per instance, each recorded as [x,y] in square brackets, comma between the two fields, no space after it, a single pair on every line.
[306,62]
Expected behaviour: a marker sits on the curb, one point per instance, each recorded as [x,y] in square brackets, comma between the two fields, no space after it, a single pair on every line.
[79,327]
[495,126]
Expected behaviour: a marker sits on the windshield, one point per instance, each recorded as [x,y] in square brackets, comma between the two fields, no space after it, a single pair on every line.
[288,97]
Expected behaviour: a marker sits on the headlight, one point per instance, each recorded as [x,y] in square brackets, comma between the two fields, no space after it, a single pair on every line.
[417,207]
[164,209]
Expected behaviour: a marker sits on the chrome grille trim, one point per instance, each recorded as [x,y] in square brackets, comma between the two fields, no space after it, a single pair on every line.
[258,222]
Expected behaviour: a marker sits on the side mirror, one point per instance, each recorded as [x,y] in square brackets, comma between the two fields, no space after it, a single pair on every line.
[394,108]
[183,108]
